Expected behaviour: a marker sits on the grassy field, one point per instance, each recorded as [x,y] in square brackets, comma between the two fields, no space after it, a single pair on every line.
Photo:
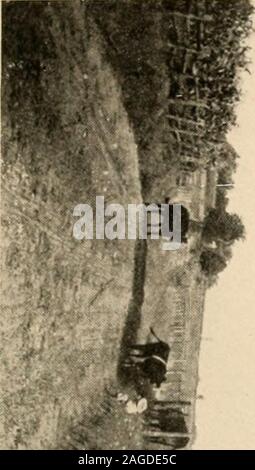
[87,96]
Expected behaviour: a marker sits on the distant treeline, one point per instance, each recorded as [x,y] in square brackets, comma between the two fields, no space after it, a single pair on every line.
[161,49]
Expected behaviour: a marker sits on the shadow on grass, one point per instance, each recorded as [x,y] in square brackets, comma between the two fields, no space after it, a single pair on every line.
[133,320]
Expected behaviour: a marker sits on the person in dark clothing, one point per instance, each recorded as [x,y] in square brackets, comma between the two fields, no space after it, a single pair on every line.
[167,420]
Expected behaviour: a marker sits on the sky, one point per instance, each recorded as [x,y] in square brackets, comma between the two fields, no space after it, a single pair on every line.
[225,416]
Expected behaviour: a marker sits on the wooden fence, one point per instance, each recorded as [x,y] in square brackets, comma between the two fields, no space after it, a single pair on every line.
[188,103]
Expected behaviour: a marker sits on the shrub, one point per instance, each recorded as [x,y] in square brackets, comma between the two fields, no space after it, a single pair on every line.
[220,225]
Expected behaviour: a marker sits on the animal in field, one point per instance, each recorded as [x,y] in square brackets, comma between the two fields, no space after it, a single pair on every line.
[185,219]
[166,420]
[151,359]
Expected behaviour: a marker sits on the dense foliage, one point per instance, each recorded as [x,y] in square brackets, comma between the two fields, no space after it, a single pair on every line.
[223,226]
[212,262]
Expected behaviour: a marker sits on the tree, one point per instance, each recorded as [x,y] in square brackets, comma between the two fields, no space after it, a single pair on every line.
[220,225]
[212,262]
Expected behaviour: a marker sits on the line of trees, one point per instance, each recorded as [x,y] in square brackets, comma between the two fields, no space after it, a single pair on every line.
[212,73]
[228,54]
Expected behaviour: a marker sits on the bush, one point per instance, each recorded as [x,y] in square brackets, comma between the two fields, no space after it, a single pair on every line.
[220,225]
[212,262]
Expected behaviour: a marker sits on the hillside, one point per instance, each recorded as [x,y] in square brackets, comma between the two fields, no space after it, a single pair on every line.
[61,324]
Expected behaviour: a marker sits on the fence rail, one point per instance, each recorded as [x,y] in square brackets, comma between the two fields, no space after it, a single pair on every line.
[187,122]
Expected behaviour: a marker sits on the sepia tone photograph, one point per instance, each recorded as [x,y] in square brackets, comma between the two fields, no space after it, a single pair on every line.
[127,238]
